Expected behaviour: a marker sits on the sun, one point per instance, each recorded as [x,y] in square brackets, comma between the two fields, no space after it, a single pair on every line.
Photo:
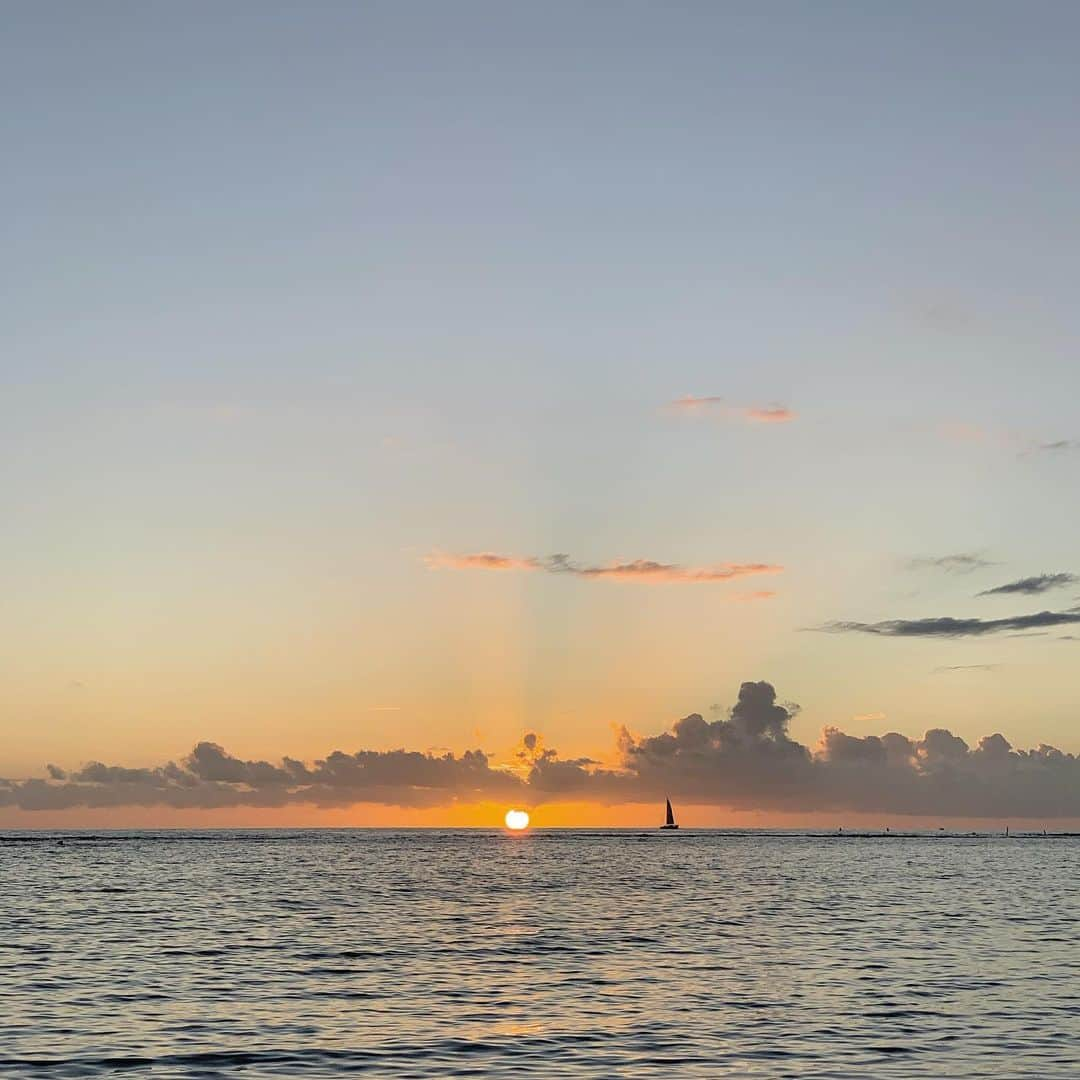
[517,820]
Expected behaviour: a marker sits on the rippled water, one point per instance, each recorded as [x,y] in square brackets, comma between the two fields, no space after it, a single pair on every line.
[288,954]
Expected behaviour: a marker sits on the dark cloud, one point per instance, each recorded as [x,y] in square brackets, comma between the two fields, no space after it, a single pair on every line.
[960,563]
[96,773]
[1055,447]
[1031,586]
[210,777]
[744,758]
[948,627]
[208,761]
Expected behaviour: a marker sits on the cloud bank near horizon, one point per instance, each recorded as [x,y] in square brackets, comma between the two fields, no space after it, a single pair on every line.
[744,760]
[645,571]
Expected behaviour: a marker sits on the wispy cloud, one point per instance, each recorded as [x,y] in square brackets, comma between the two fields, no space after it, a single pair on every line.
[1057,446]
[754,414]
[966,667]
[964,562]
[1024,444]
[481,560]
[947,627]
[646,571]
[1031,586]
[691,403]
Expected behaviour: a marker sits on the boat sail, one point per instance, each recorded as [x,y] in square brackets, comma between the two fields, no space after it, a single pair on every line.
[670,822]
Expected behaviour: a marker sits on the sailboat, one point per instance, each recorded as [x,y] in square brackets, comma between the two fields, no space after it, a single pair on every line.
[670,822]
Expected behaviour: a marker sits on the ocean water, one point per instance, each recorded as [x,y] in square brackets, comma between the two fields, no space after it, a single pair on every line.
[554,953]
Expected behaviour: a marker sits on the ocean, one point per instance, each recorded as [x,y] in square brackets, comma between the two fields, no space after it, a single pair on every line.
[546,954]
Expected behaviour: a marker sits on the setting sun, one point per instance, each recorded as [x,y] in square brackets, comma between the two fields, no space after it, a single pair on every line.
[517,820]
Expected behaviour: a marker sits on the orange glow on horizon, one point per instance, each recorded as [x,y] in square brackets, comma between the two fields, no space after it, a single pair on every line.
[490,815]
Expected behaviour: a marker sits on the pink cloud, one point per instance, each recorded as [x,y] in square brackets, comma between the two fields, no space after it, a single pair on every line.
[636,570]
[754,414]
[646,570]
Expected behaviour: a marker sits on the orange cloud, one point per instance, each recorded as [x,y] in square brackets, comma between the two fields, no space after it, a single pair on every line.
[690,403]
[483,560]
[774,414]
[637,570]
[754,414]
[646,570]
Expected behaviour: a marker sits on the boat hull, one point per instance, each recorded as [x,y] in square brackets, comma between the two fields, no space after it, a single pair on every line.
[663,827]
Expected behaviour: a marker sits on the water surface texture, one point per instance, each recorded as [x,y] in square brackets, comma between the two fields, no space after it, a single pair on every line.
[460,953]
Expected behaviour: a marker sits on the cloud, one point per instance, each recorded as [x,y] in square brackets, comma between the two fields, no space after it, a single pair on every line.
[749,760]
[649,571]
[635,570]
[1030,586]
[1024,444]
[482,560]
[744,758]
[966,667]
[690,403]
[211,777]
[947,627]
[1055,447]
[773,414]
[964,562]
[754,414]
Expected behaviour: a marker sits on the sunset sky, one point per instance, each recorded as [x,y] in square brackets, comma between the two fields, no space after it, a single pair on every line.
[413,376]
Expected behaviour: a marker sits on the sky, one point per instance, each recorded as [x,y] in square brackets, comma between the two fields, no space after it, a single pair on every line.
[438,378]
